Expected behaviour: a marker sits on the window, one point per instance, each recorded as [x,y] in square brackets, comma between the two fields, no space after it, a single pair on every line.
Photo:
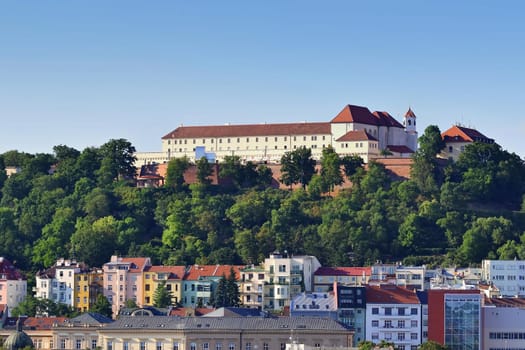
[159,345]
[375,323]
[413,323]
[450,149]
[142,345]
[193,346]
[388,324]
[375,311]
[78,344]
[218,346]
[401,311]
[413,311]
[401,324]
[109,345]
[231,346]
[265,346]
[147,287]
[400,336]
[248,346]
[125,345]
[413,336]
[388,311]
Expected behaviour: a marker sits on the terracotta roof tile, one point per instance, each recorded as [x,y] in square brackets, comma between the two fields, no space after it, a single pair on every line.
[8,269]
[343,271]
[356,135]
[410,113]
[137,264]
[390,294]
[399,149]
[355,114]
[249,130]
[461,134]
[197,271]
[385,119]
[176,272]
[40,323]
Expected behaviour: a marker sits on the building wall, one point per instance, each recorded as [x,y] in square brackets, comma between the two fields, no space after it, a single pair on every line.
[507,275]
[453,150]
[503,328]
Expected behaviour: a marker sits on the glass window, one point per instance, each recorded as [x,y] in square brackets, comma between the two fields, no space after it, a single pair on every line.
[78,344]
[109,345]
[142,345]
[125,345]
[175,346]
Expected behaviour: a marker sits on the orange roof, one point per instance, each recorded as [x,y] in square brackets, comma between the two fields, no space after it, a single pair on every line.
[185,132]
[197,271]
[343,271]
[399,149]
[390,294]
[387,120]
[461,134]
[176,272]
[355,114]
[357,135]
[2,308]
[183,312]
[410,113]
[40,323]
[136,264]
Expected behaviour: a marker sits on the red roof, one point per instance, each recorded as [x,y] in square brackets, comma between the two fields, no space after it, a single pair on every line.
[40,323]
[186,132]
[410,113]
[197,271]
[355,114]
[343,271]
[183,312]
[176,272]
[390,294]
[2,308]
[386,119]
[356,135]
[399,149]
[136,264]
[8,269]
[461,134]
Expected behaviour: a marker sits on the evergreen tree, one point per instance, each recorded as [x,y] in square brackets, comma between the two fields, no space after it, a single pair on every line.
[102,306]
[162,296]
[232,290]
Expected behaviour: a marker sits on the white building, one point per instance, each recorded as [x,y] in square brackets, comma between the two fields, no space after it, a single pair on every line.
[286,277]
[503,320]
[507,275]
[354,131]
[58,282]
[393,314]
[13,286]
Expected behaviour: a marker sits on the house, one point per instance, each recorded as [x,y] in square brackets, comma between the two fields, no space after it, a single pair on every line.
[355,130]
[171,276]
[393,314]
[457,137]
[325,277]
[13,285]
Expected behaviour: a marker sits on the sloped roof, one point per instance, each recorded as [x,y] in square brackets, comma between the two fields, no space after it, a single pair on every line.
[461,134]
[385,119]
[390,294]
[41,323]
[399,149]
[8,269]
[505,302]
[175,272]
[197,271]
[189,311]
[356,135]
[135,264]
[410,113]
[355,114]
[343,271]
[226,323]
[91,318]
[278,129]
[234,312]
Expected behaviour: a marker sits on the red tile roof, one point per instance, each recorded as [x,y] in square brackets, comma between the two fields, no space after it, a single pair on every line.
[41,323]
[176,272]
[137,264]
[386,119]
[461,134]
[390,294]
[410,113]
[197,271]
[183,312]
[399,149]
[186,132]
[8,269]
[356,135]
[355,114]
[505,302]
[343,271]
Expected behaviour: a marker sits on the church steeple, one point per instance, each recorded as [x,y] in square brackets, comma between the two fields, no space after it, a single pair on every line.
[409,121]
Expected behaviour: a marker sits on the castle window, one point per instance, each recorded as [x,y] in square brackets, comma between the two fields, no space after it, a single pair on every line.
[228,140]
[203,141]
[193,141]
[276,139]
[185,142]
[211,140]
[266,139]
[247,139]
[450,149]
[285,138]
[238,140]
[256,139]
[304,138]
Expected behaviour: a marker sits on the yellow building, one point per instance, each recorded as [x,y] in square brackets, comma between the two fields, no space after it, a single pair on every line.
[170,275]
[88,285]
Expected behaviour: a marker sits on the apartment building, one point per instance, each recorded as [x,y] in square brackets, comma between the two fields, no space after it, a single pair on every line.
[124,280]
[251,286]
[88,285]
[351,309]
[13,286]
[172,278]
[507,275]
[325,277]
[57,283]
[393,314]
[287,276]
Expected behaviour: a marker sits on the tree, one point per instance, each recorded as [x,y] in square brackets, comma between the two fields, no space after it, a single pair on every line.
[162,296]
[232,289]
[351,163]
[331,168]
[118,161]
[297,166]
[102,306]
[432,345]
[204,171]
[175,172]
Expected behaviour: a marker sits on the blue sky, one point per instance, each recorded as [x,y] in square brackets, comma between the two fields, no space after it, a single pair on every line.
[80,73]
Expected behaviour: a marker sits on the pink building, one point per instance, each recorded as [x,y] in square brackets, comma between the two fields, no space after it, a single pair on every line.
[13,287]
[123,280]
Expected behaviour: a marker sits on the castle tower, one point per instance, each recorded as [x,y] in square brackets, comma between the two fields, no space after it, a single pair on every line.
[409,122]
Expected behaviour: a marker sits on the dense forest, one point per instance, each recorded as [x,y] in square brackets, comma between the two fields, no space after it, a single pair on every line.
[89,208]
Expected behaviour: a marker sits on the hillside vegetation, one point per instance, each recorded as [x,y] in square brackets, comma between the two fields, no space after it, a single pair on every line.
[89,209]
